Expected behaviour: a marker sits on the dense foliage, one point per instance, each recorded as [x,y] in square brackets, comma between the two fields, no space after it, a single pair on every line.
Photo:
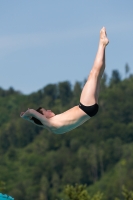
[36,164]
[79,192]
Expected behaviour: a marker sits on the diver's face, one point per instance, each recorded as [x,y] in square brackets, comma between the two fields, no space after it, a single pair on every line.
[47,113]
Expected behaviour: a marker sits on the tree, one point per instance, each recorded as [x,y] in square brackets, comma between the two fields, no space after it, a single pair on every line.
[79,192]
[51,90]
[2,186]
[115,78]
[127,69]
[128,195]
[65,92]
[77,90]
[10,91]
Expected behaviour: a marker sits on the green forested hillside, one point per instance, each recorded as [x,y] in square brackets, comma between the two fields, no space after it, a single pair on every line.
[36,164]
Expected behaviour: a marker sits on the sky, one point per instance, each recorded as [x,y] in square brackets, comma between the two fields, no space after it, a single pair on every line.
[44,42]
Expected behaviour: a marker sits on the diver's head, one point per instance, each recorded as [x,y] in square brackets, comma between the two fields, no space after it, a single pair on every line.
[47,113]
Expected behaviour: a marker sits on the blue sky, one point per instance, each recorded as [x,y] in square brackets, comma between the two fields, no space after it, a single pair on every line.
[44,42]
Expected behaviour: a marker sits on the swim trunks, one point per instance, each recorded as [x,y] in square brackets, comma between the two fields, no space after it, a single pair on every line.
[89,110]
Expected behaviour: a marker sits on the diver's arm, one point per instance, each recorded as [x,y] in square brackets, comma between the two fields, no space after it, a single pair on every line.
[33,113]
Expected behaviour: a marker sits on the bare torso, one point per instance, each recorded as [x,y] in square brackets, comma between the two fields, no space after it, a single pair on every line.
[67,120]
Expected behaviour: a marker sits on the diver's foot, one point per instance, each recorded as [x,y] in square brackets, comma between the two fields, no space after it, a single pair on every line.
[103,37]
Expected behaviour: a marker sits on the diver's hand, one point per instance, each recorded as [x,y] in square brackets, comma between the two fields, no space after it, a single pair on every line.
[27,115]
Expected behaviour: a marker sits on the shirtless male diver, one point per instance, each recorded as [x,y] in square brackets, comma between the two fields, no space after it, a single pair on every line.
[88,106]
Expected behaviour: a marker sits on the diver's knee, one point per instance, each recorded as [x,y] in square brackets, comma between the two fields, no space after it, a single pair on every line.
[93,75]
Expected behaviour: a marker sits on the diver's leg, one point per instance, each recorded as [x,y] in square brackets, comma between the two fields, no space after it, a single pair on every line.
[90,92]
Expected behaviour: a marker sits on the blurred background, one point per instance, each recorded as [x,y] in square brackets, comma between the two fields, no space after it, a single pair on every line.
[45,42]
[47,49]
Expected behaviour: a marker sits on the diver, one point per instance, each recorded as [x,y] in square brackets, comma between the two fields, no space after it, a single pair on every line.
[88,106]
